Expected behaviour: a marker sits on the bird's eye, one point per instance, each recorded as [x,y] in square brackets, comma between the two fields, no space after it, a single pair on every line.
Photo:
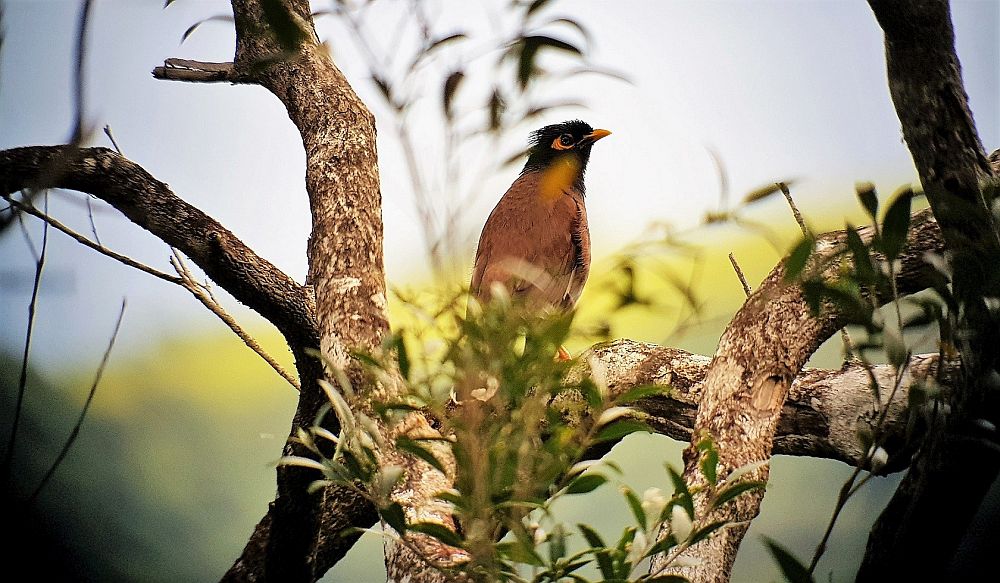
[563,142]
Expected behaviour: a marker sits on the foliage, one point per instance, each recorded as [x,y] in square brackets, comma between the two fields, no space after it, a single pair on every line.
[855,280]
[515,431]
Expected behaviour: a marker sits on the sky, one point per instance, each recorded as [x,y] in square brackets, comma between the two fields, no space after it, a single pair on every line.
[777,89]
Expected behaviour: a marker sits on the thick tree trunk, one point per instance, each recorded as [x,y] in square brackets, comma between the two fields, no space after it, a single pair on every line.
[918,535]
[276,48]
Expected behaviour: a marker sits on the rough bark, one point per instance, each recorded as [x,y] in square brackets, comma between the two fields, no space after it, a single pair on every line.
[821,417]
[151,204]
[276,47]
[959,462]
[761,352]
[300,537]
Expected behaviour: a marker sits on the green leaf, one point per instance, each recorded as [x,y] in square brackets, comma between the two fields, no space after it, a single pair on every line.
[367,360]
[641,392]
[599,549]
[709,464]
[591,392]
[763,192]
[529,46]
[586,483]
[662,546]
[520,553]
[393,516]
[193,27]
[620,429]
[703,532]
[587,37]
[791,568]
[557,543]
[412,447]
[636,506]
[535,6]
[453,497]
[497,107]
[862,259]
[895,224]
[853,307]
[437,531]
[402,356]
[735,490]
[868,198]
[797,259]
[438,43]
[895,346]
[681,490]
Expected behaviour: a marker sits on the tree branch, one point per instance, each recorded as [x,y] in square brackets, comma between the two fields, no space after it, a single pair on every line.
[925,83]
[762,351]
[151,204]
[196,71]
[276,47]
[824,410]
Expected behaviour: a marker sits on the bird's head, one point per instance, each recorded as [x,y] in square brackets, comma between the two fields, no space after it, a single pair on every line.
[568,142]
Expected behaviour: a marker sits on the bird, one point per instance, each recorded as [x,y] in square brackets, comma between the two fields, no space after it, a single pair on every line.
[536,241]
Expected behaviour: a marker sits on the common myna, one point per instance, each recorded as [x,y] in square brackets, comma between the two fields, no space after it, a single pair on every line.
[536,242]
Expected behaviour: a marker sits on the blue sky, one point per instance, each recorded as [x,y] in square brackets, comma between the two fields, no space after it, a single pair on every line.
[778,89]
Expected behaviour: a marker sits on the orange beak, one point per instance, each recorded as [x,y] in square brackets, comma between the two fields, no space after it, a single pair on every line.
[596,135]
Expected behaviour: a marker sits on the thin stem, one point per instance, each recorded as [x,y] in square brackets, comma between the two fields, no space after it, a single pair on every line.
[23,379]
[78,72]
[83,413]
[739,274]
[795,209]
[31,210]
[200,293]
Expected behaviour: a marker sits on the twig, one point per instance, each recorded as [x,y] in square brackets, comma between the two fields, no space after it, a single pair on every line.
[88,243]
[111,136]
[795,209]
[196,71]
[850,488]
[78,72]
[739,274]
[22,382]
[83,413]
[201,293]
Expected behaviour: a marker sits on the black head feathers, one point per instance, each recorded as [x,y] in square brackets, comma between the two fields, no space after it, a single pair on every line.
[556,141]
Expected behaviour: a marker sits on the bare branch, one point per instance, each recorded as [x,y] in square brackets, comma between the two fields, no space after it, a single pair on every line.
[795,209]
[83,412]
[203,295]
[196,71]
[824,410]
[31,210]
[22,382]
[739,274]
[151,204]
